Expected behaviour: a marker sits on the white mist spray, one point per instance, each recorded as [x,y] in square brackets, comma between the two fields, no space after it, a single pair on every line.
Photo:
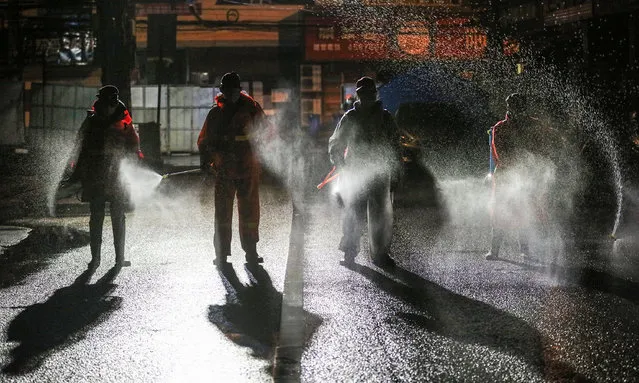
[142,183]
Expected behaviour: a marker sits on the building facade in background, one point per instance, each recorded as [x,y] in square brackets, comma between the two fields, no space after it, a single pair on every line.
[302,57]
[591,41]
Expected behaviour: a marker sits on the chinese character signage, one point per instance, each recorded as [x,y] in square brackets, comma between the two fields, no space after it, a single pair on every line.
[452,38]
[426,3]
[142,10]
[326,40]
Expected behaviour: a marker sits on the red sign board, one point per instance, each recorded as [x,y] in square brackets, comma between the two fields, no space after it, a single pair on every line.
[327,40]
[457,42]
[142,10]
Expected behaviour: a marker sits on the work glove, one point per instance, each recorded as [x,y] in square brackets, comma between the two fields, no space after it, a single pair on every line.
[205,161]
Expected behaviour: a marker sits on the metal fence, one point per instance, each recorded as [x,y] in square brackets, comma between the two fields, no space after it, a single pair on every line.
[57,111]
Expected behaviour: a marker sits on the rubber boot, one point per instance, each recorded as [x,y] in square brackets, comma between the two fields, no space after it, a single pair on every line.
[96,248]
[252,258]
[350,251]
[524,249]
[495,245]
[119,234]
[95,232]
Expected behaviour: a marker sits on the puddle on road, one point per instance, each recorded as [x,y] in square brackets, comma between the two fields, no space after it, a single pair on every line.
[12,235]
[36,250]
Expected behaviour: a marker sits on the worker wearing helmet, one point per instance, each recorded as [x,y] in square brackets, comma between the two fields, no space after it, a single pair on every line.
[520,181]
[365,147]
[225,146]
[106,137]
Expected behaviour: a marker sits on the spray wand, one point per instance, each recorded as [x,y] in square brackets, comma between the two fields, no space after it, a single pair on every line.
[191,171]
[209,169]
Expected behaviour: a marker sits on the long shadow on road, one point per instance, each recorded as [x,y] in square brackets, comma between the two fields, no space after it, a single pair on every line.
[65,318]
[469,321]
[252,314]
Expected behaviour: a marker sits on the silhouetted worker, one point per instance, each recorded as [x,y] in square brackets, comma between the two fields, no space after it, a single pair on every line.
[225,148]
[517,185]
[106,137]
[365,149]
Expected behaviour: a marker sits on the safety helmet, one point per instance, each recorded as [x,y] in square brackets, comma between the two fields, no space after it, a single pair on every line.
[108,94]
[365,85]
[230,80]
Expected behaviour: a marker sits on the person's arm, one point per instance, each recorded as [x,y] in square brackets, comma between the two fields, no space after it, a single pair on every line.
[496,144]
[394,137]
[338,142]
[394,134]
[205,143]
[132,138]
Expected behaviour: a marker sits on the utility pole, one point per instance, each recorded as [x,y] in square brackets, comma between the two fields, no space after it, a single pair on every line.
[116,44]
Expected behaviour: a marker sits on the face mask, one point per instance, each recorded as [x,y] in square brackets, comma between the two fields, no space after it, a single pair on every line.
[235,95]
[110,109]
[232,95]
[368,99]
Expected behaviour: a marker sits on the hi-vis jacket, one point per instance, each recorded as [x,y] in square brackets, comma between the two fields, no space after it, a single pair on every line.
[102,143]
[224,139]
[510,138]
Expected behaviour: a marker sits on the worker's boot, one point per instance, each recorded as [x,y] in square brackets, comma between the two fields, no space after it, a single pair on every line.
[495,245]
[119,233]
[252,258]
[383,261]
[524,249]
[220,260]
[349,248]
[95,236]
[96,248]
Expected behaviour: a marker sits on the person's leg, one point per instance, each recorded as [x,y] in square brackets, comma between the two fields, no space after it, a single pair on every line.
[497,237]
[117,210]
[96,221]
[498,211]
[248,207]
[380,222]
[524,248]
[224,195]
[354,210]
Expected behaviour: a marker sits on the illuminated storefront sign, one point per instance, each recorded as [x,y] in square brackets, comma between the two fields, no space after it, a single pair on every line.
[327,41]
[414,39]
[425,3]
[176,8]
[452,38]
[455,40]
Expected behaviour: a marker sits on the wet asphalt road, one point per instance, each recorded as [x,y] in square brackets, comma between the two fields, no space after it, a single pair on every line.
[168,317]
[443,314]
